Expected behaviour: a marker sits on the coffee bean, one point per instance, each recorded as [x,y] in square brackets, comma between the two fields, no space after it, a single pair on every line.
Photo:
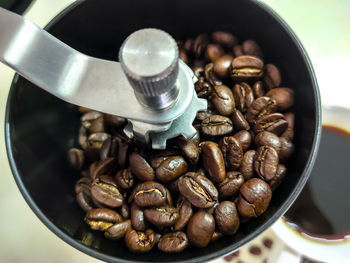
[163,216]
[244,138]
[255,250]
[173,242]
[183,56]
[272,76]
[82,138]
[273,122]
[268,139]
[115,121]
[125,179]
[210,76]
[93,121]
[105,190]
[213,52]
[232,152]
[266,162]
[198,190]
[103,168]
[82,184]
[223,100]
[171,168]
[102,218]
[225,39]
[213,160]
[125,210]
[277,180]
[76,158]
[226,217]
[246,68]
[255,196]
[200,229]
[222,66]
[189,149]
[238,50]
[259,108]
[258,89]
[118,231]
[239,120]
[217,125]
[140,167]
[251,48]
[83,199]
[284,97]
[122,155]
[267,243]
[106,148]
[216,236]
[140,242]
[247,167]
[230,186]
[94,144]
[289,132]
[200,44]
[83,109]
[188,46]
[286,150]
[185,213]
[137,217]
[150,193]
[243,95]
[203,88]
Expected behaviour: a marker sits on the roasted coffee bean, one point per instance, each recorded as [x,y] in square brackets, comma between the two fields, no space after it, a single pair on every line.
[258,89]
[213,160]
[106,148]
[105,190]
[173,242]
[277,180]
[183,56]
[259,108]
[102,218]
[137,217]
[210,76]
[118,231]
[213,52]
[247,166]
[163,216]
[246,68]
[93,121]
[140,242]
[82,183]
[185,213]
[103,167]
[198,71]
[200,44]
[82,138]
[160,156]
[122,154]
[150,194]
[284,97]
[268,139]
[83,198]
[243,95]
[226,217]
[94,144]
[230,186]
[251,48]
[188,46]
[200,229]
[125,179]
[289,132]
[115,121]
[189,149]
[125,210]
[266,162]
[232,152]
[140,167]
[203,88]
[238,50]
[198,190]
[216,236]
[225,39]
[223,100]
[239,121]
[217,125]
[222,66]
[171,168]
[83,109]
[202,115]
[244,138]
[273,122]
[272,76]
[254,199]
[169,199]
[76,158]
[286,150]
[173,187]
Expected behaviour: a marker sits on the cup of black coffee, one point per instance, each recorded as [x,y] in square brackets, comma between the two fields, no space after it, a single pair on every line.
[42,129]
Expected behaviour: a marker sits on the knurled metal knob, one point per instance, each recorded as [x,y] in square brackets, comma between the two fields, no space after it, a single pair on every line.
[149,58]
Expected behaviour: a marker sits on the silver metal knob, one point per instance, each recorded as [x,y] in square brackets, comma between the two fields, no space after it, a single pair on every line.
[149,58]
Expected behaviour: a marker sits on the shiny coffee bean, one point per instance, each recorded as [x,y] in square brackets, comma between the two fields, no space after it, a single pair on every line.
[200,229]
[105,190]
[223,100]
[272,76]
[244,138]
[251,48]
[189,149]
[258,89]
[185,213]
[232,152]
[200,44]
[268,139]
[198,190]
[286,150]
[140,167]
[118,231]
[226,217]
[277,180]
[203,88]
[289,132]
[246,68]
[238,50]
[125,210]
[137,217]
[163,216]
[125,179]
[259,108]
[225,39]
[102,218]
[150,193]
[247,166]
[202,115]
[183,56]
[217,125]
[210,76]
[140,242]
[76,158]
[284,97]
[122,154]
[83,109]
[254,199]
[230,186]
[222,66]
[266,162]
[106,149]
[273,122]
[82,184]
[83,199]
[94,144]
[213,160]
[82,138]
[188,46]
[239,121]
[243,95]
[93,121]
[171,168]
[216,236]
[115,121]
[173,242]
[103,167]
[169,199]
[213,52]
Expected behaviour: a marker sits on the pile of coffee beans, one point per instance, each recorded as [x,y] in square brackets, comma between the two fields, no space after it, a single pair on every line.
[197,190]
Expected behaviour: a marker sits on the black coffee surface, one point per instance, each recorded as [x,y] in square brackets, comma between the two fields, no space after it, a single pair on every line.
[323,208]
